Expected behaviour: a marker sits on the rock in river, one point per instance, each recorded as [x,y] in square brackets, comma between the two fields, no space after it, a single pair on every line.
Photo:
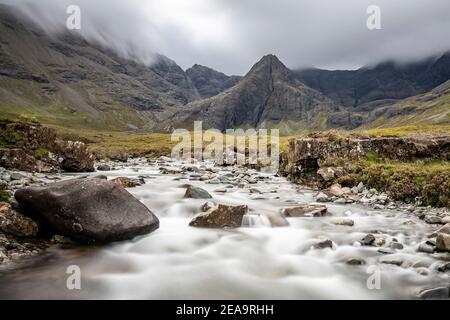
[76,157]
[443,242]
[128,182]
[305,210]
[15,223]
[196,193]
[88,210]
[222,217]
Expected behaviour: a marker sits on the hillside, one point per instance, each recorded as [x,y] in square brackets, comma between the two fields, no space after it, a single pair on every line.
[210,82]
[65,81]
[369,87]
[431,108]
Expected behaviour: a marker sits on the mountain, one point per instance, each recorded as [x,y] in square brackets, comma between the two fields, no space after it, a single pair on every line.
[431,108]
[66,81]
[268,96]
[370,87]
[210,82]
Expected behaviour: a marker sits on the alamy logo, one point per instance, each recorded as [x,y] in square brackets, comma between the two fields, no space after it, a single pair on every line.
[374,280]
[74,280]
[73,21]
[235,146]
[374,19]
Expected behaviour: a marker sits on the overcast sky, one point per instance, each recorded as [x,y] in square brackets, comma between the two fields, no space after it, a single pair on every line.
[231,35]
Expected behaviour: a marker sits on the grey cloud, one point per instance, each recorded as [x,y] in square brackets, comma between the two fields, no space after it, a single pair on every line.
[230,35]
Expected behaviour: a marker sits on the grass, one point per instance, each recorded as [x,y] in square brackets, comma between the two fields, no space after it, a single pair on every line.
[4,196]
[405,131]
[428,180]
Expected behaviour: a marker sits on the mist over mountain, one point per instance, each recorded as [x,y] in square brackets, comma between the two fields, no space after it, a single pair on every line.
[388,80]
[69,81]
[66,80]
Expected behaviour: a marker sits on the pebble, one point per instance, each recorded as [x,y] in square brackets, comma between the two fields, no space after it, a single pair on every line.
[432,219]
[344,222]
[423,247]
[322,197]
[360,187]
[323,244]
[445,267]
[396,245]
[434,293]
[395,261]
[368,240]
[355,261]
[385,251]
[380,242]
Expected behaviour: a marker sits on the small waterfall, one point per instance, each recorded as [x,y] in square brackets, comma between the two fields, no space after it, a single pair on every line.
[255,221]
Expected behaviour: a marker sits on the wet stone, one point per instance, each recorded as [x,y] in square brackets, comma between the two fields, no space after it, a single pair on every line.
[323,244]
[355,262]
[368,240]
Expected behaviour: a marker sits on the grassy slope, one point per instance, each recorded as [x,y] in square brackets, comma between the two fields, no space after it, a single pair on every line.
[429,109]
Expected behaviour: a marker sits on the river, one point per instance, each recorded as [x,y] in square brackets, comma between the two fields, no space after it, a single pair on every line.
[256,261]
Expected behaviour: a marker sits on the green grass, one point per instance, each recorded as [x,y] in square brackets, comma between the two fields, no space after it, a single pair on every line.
[429,180]
[4,196]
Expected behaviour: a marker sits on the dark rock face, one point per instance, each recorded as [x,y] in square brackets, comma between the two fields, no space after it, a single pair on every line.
[210,82]
[76,157]
[355,89]
[88,210]
[221,217]
[268,94]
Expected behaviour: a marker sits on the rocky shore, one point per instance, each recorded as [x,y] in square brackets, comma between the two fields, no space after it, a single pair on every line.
[21,236]
[43,208]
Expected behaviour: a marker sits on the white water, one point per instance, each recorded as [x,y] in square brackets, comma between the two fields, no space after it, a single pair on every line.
[252,262]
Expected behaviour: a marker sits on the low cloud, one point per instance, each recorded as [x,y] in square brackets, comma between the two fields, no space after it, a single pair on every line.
[231,35]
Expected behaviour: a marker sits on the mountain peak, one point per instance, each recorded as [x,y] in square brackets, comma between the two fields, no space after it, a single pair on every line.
[270,65]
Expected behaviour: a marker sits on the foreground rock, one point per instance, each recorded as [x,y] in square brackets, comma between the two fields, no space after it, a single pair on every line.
[222,217]
[305,210]
[15,223]
[88,210]
[76,157]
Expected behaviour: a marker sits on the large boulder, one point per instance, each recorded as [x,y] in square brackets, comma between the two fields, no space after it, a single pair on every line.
[15,223]
[88,210]
[221,217]
[76,157]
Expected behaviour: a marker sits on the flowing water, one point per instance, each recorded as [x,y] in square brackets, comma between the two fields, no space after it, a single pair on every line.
[256,261]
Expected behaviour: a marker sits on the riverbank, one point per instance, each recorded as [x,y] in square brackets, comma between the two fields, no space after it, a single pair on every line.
[412,169]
